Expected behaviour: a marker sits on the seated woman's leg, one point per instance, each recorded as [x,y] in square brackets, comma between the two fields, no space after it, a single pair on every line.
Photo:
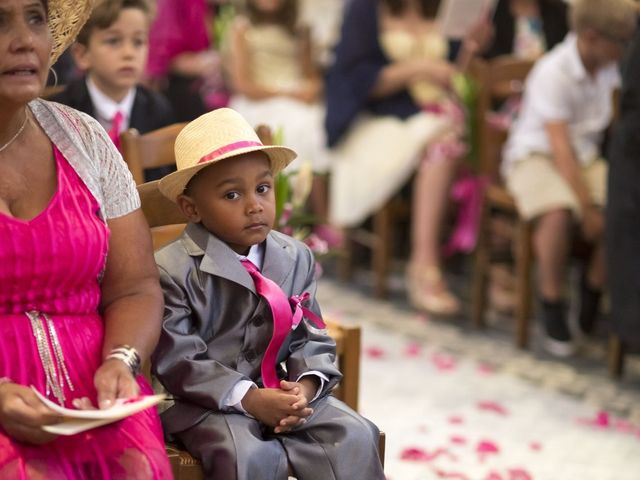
[427,287]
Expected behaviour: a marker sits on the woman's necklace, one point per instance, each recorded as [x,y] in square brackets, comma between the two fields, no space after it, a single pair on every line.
[13,139]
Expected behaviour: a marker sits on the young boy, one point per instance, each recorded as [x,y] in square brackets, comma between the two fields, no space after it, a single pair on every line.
[112,50]
[240,303]
[552,159]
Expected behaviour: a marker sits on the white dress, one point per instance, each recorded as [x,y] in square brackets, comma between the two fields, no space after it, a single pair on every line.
[378,154]
[274,63]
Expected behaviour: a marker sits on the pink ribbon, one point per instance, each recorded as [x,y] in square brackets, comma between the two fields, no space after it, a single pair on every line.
[229,148]
[300,311]
[467,192]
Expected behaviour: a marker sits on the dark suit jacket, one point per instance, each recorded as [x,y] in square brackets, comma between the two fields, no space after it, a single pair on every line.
[216,328]
[623,204]
[150,110]
[554,24]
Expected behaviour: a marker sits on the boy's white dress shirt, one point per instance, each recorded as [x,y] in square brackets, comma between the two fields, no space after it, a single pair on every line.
[559,89]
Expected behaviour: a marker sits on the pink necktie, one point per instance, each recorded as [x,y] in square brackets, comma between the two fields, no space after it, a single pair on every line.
[114,133]
[282,322]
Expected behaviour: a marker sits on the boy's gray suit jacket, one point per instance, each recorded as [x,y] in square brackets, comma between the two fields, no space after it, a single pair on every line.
[216,327]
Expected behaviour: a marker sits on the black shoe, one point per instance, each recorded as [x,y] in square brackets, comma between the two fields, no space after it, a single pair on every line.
[558,337]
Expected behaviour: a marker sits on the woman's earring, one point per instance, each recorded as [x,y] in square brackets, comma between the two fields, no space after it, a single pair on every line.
[55,76]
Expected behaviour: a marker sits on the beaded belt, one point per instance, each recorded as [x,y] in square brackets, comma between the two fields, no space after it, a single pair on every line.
[51,356]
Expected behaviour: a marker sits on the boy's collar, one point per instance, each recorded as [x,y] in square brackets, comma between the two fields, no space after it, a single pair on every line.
[225,262]
[255,255]
[106,108]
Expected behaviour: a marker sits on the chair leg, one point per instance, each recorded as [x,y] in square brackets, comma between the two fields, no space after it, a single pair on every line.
[523,264]
[381,249]
[350,366]
[616,356]
[481,266]
[345,259]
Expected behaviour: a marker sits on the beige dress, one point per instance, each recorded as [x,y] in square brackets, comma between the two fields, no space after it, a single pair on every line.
[380,153]
[275,63]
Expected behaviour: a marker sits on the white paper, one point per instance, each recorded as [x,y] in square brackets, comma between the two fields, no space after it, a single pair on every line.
[457,17]
[76,421]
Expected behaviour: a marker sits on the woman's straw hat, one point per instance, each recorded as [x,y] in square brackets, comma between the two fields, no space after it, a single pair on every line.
[66,18]
[212,137]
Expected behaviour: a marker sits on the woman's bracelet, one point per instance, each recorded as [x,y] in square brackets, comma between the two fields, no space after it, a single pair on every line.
[128,355]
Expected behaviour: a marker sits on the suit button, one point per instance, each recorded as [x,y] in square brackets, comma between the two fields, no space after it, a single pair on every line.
[257,321]
[250,355]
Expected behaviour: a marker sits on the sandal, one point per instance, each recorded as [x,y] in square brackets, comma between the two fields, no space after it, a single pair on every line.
[428,291]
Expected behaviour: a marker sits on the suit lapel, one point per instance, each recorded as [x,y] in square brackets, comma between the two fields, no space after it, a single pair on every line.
[217,257]
[220,260]
[279,259]
[140,119]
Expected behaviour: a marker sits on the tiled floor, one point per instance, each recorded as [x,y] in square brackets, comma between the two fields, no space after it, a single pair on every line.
[461,404]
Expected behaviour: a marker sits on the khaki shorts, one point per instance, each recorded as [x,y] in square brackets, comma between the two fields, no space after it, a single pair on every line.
[538,187]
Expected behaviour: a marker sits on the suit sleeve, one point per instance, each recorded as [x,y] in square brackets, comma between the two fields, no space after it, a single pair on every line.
[181,361]
[312,349]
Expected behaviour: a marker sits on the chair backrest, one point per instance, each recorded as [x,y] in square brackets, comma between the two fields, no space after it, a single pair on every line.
[163,216]
[150,150]
[498,79]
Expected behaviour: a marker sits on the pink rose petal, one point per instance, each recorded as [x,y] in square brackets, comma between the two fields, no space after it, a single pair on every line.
[601,420]
[495,407]
[485,448]
[443,362]
[486,369]
[416,454]
[456,420]
[413,350]
[493,475]
[458,439]
[535,446]
[374,352]
[519,474]
[624,426]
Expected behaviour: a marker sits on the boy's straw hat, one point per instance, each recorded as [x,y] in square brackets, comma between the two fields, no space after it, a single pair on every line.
[66,18]
[212,137]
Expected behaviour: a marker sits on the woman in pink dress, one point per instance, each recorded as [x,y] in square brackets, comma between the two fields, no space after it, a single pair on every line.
[80,303]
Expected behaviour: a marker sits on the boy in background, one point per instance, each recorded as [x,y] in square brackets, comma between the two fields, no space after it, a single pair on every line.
[111,50]
[553,165]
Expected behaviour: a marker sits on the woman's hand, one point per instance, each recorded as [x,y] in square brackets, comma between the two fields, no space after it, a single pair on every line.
[22,415]
[114,380]
[440,72]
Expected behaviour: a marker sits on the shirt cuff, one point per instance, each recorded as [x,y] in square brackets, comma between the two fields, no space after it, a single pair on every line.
[323,379]
[237,393]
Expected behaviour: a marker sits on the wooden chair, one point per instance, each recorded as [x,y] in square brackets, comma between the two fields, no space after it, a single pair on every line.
[379,239]
[499,79]
[152,150]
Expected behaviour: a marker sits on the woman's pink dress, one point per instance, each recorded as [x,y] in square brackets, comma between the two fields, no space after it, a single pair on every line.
[53,264]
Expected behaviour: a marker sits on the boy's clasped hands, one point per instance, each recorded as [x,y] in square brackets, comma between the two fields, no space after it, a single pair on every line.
[282,408]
